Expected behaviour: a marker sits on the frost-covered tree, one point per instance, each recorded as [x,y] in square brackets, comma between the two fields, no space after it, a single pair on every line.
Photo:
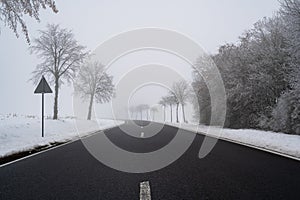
[143,107]
[13,12]
[255,72]
[139,108]
[171,100]
[153,111]
[61,57]
[163,102]
[201,99]
[133,112]
[94,83]
[286,113]
[290,11]
[182,92]
[261,74]
[146,107]
[175,100]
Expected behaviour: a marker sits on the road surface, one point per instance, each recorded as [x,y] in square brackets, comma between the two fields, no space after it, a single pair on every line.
[230,171]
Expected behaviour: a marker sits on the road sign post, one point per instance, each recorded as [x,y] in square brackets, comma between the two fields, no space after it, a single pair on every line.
[42,114]
[42,88]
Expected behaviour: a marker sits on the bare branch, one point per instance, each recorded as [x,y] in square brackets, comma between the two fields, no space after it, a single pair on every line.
[13,11]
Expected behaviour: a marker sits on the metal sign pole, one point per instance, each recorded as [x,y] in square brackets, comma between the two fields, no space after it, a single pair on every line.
[43,114]
[42,88]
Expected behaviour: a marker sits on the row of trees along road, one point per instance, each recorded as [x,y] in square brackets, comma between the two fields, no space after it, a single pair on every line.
[261,74]
[178,95]
[136,111]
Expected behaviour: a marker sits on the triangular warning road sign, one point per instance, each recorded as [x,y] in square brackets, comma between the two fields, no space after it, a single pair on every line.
[43,87]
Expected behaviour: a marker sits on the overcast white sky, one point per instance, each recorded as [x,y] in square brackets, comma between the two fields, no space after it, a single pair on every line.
[211,23]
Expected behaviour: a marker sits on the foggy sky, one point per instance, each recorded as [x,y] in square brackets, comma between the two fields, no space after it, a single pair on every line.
[210,23]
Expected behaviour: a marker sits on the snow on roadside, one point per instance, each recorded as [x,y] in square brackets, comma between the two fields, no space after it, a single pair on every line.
[279,142]
[23,133]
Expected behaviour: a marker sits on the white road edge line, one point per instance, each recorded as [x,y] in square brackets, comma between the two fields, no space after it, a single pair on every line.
[145,192]
[54,147]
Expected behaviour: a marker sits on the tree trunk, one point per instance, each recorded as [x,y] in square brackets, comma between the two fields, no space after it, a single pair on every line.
[171,113]
[177,106]
[183,113]
[89,117]
[55,111]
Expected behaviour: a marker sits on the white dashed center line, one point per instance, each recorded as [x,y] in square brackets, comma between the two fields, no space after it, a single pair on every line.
[145,193]
[142,134]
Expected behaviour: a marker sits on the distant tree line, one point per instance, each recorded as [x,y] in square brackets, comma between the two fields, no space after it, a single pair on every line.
[143,111]
[261,74]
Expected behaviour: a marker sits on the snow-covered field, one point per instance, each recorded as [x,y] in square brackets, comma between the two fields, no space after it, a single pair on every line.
[23,133]
[278,142]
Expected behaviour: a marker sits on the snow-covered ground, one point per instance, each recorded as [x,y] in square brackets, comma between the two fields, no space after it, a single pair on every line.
[278,142]
[23,133]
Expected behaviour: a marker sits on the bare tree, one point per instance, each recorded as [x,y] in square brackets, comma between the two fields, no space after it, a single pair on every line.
[175,101]
[139,109]
[163,103]
[12,13]
[182,92]
[146,107]
[132,111]
[92,83]
[136,110]
[153,110]
[171,100]
[61,55]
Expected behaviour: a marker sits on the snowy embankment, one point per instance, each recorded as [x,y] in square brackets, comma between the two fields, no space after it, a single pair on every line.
[23,133]
[272,141]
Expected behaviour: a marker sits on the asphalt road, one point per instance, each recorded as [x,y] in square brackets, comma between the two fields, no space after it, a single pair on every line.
[230,171]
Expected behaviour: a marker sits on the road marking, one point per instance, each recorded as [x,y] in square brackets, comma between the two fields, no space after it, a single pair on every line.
[145,193]
[142,134]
